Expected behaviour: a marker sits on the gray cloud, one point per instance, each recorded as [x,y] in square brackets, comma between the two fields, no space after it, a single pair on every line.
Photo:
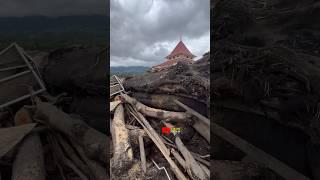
[143,32]
[52,7]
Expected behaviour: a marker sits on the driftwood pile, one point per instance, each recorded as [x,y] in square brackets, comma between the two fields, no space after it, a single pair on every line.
[139,146]
[46,142]
[42,135]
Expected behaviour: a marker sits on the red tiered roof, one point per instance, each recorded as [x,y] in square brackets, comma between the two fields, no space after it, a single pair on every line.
[180,49]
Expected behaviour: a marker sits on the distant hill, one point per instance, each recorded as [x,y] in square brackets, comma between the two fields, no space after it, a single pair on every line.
[128,69]
[40,32]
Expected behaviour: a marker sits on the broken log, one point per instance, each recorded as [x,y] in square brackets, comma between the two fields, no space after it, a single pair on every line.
[29,161]
[93,141]
[122,150]
[156,113]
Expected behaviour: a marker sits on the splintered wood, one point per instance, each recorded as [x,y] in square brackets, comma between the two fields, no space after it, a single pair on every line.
[133,134]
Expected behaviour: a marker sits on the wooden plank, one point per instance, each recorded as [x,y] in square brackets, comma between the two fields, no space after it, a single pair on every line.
[142,155]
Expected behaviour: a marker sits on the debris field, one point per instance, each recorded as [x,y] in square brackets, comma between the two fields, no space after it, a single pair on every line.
[42,135]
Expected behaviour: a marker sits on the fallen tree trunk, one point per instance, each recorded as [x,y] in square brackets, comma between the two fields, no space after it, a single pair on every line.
[29,161]
[166,102]
[93,141]
[122,150]
[156,113]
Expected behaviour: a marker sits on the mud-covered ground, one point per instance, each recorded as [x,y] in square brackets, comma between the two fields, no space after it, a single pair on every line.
[266,74]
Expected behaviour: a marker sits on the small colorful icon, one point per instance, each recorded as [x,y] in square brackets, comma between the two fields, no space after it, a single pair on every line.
[167,130]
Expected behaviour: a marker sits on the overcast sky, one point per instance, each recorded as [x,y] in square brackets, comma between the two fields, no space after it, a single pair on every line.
[52,7]
[143,32]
